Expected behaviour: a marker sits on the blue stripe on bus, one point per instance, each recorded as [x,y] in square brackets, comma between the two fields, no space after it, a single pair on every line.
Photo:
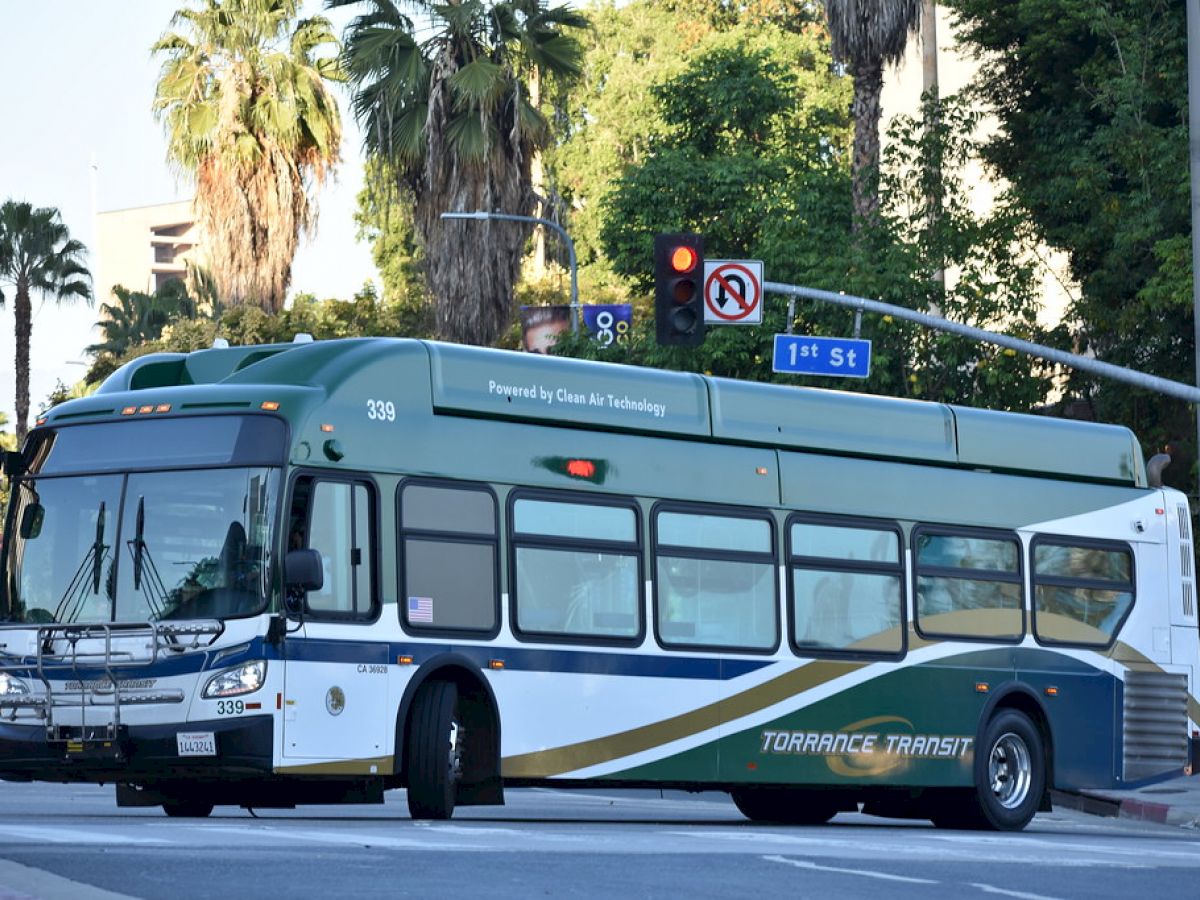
[530,659]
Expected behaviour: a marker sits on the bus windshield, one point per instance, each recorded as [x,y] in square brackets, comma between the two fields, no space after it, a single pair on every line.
[94,537]
[141,547]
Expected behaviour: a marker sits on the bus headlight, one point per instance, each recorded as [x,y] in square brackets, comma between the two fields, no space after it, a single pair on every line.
[12,687]
[244,679]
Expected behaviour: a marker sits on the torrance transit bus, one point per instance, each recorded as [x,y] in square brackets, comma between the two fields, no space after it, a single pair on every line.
[312,572]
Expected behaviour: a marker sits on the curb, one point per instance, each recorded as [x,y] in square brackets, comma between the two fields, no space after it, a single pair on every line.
[1097,804]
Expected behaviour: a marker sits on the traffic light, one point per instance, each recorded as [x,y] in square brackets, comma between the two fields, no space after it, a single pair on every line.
[679,289]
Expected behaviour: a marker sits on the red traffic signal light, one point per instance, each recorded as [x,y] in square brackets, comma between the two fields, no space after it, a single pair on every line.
[678,292]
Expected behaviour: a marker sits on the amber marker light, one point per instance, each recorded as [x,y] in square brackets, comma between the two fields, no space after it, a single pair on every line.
[404,660]
[1051,691]
[327,428]
[148,408]
[981,687]
[761,470]
[41,421]
[163,407]
[270,405]
[129,410]
[495,664]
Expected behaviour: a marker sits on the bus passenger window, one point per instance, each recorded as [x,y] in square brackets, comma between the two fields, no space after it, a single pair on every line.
[450,550]
[576,569]
[846,586]
[969,585]
[715,580]
[1081,593]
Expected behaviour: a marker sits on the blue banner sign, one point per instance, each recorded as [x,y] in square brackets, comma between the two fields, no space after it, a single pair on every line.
[608,322]
[841,357]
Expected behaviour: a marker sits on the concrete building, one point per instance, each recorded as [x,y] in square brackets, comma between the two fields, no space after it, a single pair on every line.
[145,247]
[902,89]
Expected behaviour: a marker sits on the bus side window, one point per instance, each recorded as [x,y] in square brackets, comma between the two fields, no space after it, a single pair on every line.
[715,582]
[339,527]
[846,586]
[449,549]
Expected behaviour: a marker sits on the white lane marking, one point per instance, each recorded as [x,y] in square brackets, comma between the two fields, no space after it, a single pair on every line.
[360,839]
[1039,843]
[55,835]
[1022,895]
[865,873]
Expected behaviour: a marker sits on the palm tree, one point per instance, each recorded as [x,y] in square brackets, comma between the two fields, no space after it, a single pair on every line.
[36,254]
[867,35]
[138,317]
[249,113]
[452,116]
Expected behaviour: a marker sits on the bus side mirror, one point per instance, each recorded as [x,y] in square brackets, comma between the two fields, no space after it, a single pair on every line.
[302,571]
[14,463]
[31,521]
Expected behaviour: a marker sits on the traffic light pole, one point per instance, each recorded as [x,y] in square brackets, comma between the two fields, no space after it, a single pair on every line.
[1186,392]
[483,216]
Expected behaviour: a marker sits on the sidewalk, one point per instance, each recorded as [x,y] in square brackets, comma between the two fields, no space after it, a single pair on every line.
[1175,802]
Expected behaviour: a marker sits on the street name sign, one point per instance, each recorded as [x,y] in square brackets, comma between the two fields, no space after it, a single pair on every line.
[806,355]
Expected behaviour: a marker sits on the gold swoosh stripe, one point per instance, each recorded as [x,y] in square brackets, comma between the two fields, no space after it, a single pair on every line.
[557,760]
[379,765]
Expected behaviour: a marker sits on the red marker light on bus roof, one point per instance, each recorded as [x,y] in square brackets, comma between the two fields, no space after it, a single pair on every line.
[581,468]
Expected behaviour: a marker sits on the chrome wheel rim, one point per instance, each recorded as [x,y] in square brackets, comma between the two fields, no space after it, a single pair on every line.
[1010,771]
[456,745]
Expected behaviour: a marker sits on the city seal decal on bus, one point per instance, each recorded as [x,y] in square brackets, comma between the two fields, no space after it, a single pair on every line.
[335,701]
[560,396]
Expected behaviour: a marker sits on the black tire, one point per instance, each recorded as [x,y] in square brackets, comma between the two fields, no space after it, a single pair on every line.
[1010,778]
[435,746]
[187,809]
[784,806]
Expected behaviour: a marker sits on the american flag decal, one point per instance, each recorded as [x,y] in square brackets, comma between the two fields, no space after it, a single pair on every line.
[420,609]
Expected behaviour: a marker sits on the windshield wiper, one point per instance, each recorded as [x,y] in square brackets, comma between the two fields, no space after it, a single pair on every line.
[144,568]
[71,603]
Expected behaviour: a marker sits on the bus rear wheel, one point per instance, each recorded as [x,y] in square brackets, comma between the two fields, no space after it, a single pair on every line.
[435,750]
[784,806]
[1010,778]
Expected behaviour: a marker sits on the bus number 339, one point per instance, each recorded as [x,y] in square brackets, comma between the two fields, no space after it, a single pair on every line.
[381,410]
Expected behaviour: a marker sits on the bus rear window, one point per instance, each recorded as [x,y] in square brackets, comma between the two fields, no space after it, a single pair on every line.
[159,444]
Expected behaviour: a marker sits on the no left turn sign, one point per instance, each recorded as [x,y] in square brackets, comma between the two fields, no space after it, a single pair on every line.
[733,291]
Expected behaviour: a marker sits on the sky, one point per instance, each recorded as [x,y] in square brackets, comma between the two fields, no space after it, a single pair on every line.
[76,85]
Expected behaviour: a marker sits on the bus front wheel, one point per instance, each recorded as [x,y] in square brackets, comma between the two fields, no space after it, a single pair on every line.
[1010,778]
[435,747]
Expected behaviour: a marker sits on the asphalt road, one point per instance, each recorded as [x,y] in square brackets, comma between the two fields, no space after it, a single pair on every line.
[71,841]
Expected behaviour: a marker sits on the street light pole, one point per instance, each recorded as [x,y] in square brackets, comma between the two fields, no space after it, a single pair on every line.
[483,216]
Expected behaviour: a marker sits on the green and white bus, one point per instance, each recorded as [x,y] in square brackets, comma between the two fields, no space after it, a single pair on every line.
[313,572]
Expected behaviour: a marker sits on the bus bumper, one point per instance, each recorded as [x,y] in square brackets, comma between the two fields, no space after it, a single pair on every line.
[244,747]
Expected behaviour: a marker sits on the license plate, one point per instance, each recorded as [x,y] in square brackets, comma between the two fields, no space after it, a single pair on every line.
[197,743]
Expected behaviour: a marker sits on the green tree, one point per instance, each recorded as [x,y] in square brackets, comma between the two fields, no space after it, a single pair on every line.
[867,35]
[766,179]
[452,116]
[1091,98]
[37,255]
[135,318]
[248,112]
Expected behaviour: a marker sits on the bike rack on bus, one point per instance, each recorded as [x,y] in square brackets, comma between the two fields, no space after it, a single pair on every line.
[88,653]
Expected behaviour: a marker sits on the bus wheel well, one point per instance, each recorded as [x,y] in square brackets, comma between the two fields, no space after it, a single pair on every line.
[1029,705]
[480,720]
